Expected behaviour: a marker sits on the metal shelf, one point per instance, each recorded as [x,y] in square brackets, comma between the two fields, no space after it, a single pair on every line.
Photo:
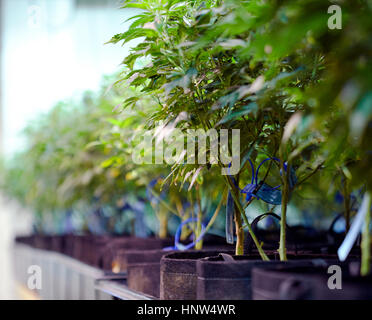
[65,278]
[119,290]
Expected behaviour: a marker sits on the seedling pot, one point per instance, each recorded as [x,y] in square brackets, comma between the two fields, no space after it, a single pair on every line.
[143,270]
[226,277]
[308,283]
[143,266]
[27,240]
[111,254]
[178,277]
[58,243]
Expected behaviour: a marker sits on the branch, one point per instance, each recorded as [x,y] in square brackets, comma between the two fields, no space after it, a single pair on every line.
[308,176]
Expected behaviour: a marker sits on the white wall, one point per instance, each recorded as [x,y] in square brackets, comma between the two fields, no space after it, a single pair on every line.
[13,220]
[54,49]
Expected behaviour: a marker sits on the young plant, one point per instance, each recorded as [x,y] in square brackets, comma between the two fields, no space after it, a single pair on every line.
[179,77]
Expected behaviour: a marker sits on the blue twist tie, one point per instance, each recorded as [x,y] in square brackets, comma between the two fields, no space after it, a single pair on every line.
[262,190]
[177,244]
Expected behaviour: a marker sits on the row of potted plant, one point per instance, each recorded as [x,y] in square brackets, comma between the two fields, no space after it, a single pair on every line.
[297,91]
[113,223]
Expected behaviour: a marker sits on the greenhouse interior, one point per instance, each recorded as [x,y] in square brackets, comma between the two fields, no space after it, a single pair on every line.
[185,150]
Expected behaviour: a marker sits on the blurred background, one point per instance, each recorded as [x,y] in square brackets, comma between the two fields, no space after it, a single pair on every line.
[49,50]
[59,106]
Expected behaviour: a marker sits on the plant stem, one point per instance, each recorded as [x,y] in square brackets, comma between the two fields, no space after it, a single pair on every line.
[185,231]
[346,195]
[184,216]
[199,244]
[298,183]
[283,219]
[240,212]
[366,240]
[165,204]
[239,248]
[163,223]
[214,216]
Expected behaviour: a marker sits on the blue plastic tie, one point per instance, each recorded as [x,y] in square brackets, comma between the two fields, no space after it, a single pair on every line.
[177,244]
[262,190]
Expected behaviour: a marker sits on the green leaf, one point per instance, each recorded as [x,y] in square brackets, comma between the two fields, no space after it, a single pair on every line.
[249,108]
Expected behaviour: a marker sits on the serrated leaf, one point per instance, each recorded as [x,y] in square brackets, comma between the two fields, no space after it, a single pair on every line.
[250,108]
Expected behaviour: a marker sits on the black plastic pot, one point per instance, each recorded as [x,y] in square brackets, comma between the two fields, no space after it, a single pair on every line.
[143,270]
[178,278]
[58,243]
[228,277]
[121,254]
[95,249]
[69,244]
[80,248]
[43,242]
[307,283]
[143,266]
[27,240]
[111,253]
